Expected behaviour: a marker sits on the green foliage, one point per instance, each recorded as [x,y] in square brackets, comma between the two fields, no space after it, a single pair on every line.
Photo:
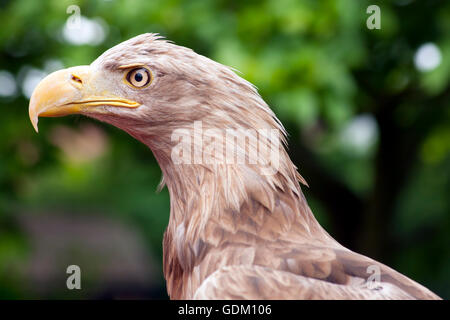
[314,62]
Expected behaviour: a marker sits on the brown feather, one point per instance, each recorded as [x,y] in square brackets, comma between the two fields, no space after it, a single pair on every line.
[235,232]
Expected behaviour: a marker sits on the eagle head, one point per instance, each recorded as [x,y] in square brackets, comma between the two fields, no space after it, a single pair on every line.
[150,87]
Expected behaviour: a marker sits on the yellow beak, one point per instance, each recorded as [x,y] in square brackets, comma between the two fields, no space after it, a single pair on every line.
[71,91]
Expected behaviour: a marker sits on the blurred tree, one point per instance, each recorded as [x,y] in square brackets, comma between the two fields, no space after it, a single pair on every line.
[367,112]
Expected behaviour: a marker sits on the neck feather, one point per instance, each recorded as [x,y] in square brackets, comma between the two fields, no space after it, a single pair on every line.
[215,204]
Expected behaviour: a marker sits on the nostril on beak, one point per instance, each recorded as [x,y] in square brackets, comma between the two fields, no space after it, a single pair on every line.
[76,79]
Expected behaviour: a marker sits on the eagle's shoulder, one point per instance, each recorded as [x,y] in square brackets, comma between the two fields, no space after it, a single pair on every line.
[257,282]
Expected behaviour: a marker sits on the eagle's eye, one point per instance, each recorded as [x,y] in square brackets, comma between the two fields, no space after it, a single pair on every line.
[138,78]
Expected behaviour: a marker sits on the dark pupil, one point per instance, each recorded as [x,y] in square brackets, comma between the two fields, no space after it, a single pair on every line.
[138,77]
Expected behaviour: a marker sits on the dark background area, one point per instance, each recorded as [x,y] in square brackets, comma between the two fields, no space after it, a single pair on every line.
[367,113]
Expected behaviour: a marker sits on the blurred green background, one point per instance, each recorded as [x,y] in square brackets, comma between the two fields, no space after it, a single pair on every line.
[367,112]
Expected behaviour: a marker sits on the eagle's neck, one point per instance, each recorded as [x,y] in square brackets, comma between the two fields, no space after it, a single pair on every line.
[201,192]
[217,205]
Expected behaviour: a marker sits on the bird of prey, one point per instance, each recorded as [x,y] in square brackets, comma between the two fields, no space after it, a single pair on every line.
[237,229]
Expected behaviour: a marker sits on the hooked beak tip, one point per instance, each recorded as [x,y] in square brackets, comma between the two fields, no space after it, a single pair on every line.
[34,118]
[35,124]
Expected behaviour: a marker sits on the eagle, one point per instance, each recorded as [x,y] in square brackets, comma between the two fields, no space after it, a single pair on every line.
[240,226]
